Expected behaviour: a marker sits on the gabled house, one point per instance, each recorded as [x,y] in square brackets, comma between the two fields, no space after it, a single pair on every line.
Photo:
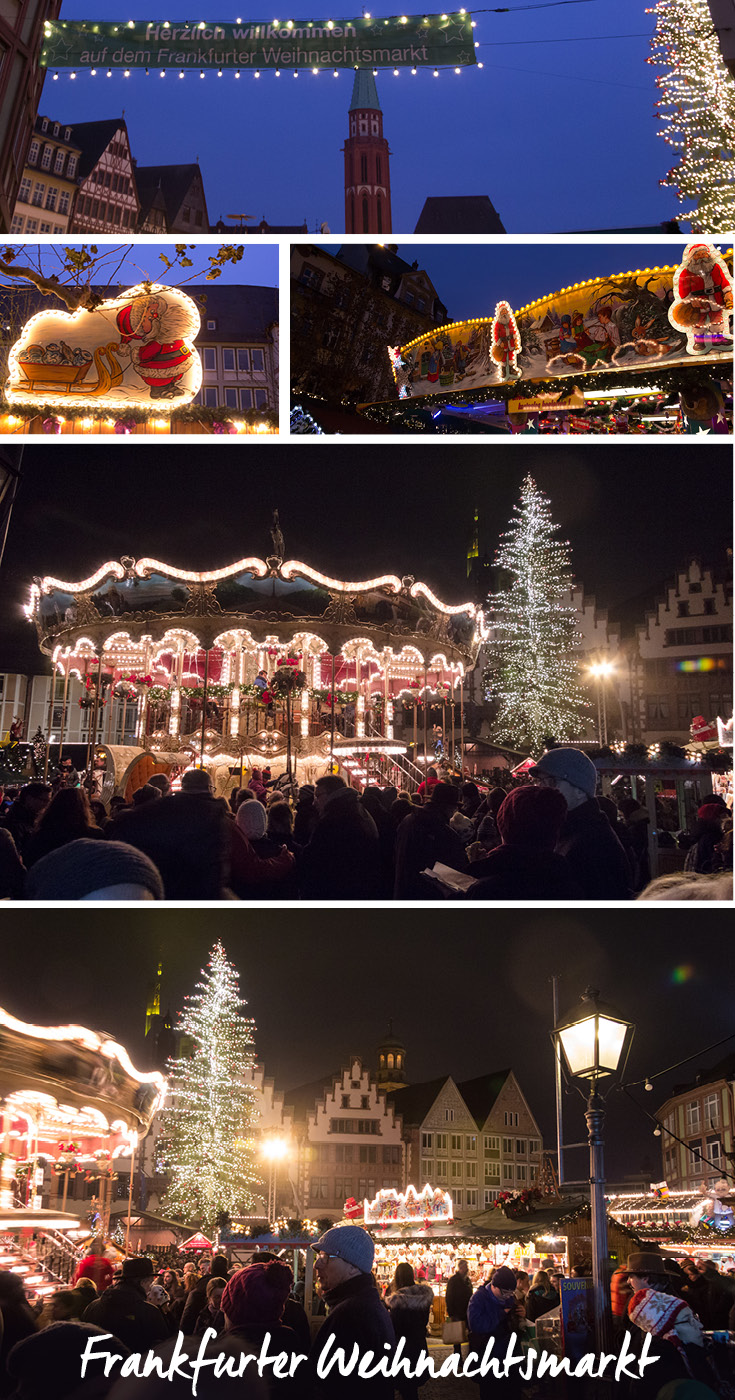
[106,199]
[182,190]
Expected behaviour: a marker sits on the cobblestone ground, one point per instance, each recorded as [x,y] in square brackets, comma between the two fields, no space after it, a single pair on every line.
[450,1387]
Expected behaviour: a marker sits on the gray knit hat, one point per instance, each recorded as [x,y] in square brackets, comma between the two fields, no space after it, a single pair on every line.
[351,1243]
[572,765]
[83,868]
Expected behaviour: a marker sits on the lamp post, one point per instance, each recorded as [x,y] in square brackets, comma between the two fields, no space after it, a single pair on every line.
[594,1042]
[601,670]
[274,1150]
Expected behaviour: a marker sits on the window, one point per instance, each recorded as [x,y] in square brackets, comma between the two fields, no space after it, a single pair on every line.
[427,1169]
[507,1146]
[365,217]
[319,1188]
[427,1142]
[95,208]
[713,1151]
[211,325]
[449,1115]
[243,361]
[344,1153]
[257,360]
[198,218]
[186,213]
[47,157]
[392,1156]
[521,1173]
[33,150]
[228,358]
[345,1100]
[59,162]
[456,1142]
[682,609]
[64,202]
[692,1117]
[32,226]
[470,1171]
[534,1146]
[51,198]
[510,1119]
[442,1170]
[209,397]
[246,399]
[709,607]
[342,1188]
[695,1154]
[379,210]
[365,1189]
[311,277]
[45,228]
[44,124]
[39,190]
[56,128]
[17,224]
[470,1144]
[490,1196]
[441,1142]
[492,1171]
[712,1111]
[457,1172]
[657,707]
[71,168]
[363,169]
[67,133]
[24,193]
[471,1198]
[209,357]
[491,1143]
[520,1147]
[365,1101]
[457,1198]
[378,170]
[420,304]
[507,1172]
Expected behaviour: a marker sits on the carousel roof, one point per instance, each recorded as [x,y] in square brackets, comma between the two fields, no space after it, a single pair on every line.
[248,604]
[80,1077]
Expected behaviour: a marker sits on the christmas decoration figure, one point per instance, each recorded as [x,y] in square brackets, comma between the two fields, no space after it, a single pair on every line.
[148,327]
[506,343]
[208,1144]
[702,305]
[532,672]
[697,112]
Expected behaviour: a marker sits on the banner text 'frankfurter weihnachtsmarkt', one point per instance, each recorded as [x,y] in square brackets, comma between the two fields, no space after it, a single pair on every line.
[400,42]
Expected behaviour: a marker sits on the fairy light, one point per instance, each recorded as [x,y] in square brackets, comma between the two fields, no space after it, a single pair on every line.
[208,1130]
[530,674]
[696,111]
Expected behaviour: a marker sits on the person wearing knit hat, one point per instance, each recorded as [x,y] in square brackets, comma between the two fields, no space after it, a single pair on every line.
[595,856]
[356,1313]
[94,870]
[526,865]
[251,819]
[493,1315]
[253,1305]
[674,1333]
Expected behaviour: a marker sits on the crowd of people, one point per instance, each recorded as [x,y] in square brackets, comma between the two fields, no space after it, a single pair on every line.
[230,1311]
[549,837]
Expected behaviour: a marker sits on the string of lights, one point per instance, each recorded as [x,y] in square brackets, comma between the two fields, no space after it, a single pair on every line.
[660,1128]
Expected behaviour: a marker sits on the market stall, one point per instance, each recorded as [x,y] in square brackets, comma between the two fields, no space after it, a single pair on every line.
[699,1224]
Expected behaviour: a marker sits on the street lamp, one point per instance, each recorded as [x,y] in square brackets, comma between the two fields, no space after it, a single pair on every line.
[273,1149]
[601,670]
[594,1042]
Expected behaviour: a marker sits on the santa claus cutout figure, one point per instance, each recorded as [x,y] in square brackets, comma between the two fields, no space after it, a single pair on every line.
[506,343]
[702,306]
[151,332]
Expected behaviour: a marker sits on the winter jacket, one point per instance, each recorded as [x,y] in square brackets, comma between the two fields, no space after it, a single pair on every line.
[410,1310]
[12,872]
[459,1292]
[187,836]
[424,838]
[256,876]
[539,1302]
[342,859]
[488,1316]
[518,872]
[124,1311]
[595,857]
[357,1315]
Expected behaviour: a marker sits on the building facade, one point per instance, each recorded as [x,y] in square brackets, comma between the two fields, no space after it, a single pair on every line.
[175,192]
[238,344]
[21,85]
[107,198]
[367,161]
[698,1137]
[346,308]
[49,182]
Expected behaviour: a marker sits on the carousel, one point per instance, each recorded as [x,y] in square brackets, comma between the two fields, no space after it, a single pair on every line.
[262,662]
[71,1104]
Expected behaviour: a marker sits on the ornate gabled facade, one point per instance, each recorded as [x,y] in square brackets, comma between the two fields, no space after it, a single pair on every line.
[367,161]
[107,198]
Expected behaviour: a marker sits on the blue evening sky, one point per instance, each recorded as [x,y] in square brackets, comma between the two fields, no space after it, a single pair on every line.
[258,266]
[472,278]
[558,128]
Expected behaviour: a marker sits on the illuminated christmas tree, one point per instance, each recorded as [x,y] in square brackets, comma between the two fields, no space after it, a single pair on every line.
[208,1145]
[697,111]
[531,674]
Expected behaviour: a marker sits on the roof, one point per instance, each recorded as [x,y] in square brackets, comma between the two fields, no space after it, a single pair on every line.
[174,181]
[480,1094]
[93,138]
[463,213]
[415,1100]
[241,312]
[364,92]
[305,1096]
[724,1069]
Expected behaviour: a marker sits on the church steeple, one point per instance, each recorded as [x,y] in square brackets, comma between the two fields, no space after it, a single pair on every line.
[367,155]
[391,1073]
[473,552]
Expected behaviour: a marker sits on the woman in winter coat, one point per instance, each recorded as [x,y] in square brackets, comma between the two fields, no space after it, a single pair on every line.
[410,1305]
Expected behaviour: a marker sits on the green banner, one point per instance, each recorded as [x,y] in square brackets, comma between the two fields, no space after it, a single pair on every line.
[400,42]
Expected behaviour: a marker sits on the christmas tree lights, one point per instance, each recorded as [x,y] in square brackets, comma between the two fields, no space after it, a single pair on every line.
[531,673]
[696,108]
[208,1145]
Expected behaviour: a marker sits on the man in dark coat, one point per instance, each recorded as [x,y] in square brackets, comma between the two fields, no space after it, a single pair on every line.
[424,838]
[459,1292]
[21,818]
[357,1315]
[342,859]
[187,836]
[196,1300]
[593,853]
[124,1310]
[526,865]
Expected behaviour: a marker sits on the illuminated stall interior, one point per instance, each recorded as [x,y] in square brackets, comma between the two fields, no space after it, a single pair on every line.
[698,1224]
[261,661]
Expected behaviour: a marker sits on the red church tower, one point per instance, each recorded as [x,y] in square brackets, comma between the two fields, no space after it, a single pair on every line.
[367,171]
